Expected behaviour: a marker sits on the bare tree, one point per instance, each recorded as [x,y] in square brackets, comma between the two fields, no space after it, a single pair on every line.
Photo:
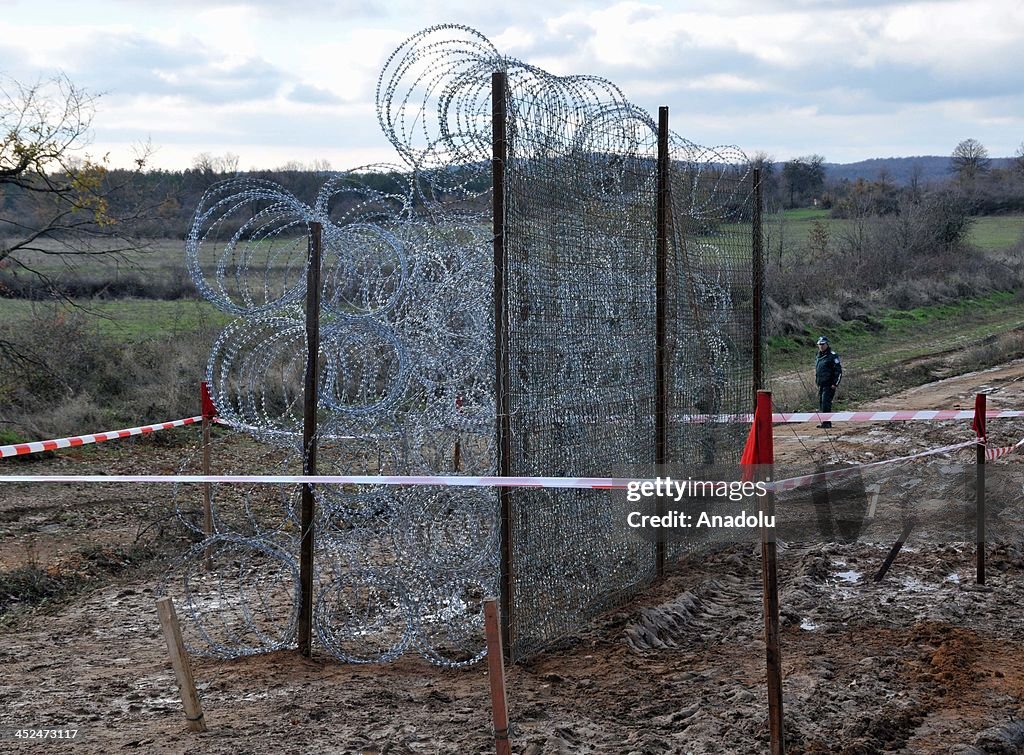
[65,198]
[1018,158]
[319,165]
[764,161]
[57,203]
[205,162]
[769,180]
[915,185]
[970,159]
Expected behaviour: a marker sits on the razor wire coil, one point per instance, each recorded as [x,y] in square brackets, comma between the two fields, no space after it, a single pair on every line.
[407,358]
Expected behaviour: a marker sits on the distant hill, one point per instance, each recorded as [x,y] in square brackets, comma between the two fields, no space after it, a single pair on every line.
[900,170]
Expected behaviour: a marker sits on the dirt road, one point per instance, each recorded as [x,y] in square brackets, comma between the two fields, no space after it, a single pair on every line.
[805,445]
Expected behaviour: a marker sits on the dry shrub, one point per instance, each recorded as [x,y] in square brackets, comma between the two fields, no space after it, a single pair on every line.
[61,376]
[915,257]
[993,350]
[167,285]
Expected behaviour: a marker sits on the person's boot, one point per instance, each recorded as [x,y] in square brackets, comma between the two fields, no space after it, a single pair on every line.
[826,424]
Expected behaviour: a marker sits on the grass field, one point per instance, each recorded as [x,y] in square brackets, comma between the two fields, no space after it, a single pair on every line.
[160,255]
[139,319]
[126,319]
[164,259]
[997,232]
[791,227]
[897,335]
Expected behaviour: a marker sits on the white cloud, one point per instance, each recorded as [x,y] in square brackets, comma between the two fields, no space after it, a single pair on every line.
[847,79]
[347,68]
[233,29]
[957,41]
[726,82]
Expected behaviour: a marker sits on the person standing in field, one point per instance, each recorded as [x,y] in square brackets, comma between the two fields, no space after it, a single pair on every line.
[827,373]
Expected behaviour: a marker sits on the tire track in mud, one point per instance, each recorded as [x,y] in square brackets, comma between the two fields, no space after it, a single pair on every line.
[709,614]
[879,669]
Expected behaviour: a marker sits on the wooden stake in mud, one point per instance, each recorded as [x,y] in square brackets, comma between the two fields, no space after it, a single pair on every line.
[310,395]
[209,412]
[770,578]
[894,551]
[980,402]
[457,455]
[496,675]
[179,660]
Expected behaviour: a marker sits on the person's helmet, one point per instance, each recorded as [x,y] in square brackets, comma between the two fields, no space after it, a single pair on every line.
[822,341]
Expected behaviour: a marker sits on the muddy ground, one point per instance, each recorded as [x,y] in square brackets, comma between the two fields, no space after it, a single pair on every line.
[925,661]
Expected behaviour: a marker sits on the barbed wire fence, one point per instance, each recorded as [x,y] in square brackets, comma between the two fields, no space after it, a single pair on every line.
[417,326]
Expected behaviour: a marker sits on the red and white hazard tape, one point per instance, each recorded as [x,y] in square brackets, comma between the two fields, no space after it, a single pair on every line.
[35,447]
[589,483]
[19,449]
[992,454]
[797,482]
[906,416]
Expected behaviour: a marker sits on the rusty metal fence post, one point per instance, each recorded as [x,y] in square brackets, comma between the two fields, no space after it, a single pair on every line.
[309,423]
[499,113]
[770,580]
[980,407]
[757,269]
[661,323]
[208,414]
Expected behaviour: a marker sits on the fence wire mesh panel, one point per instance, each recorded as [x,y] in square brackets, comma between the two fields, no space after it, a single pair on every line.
[712,324]
[580,229]
[580,235]
[407,362]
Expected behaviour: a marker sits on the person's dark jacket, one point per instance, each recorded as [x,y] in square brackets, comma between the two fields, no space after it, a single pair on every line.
[827,370]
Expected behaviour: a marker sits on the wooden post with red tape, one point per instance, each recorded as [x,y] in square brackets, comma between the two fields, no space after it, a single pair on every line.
[759,454]
[979,490]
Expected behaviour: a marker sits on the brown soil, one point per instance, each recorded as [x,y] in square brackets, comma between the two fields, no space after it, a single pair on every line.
[922,662]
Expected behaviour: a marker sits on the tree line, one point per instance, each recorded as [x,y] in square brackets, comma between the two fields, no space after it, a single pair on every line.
[983,185]
[55,200]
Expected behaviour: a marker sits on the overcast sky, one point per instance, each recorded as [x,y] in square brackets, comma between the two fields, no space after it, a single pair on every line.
[279,81]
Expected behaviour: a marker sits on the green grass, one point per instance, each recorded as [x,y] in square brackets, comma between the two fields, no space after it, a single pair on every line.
[791,228]
[157,255]
[905,334]
[128,319]
[997,232]
[160,258]
[788,228]
[805,214]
